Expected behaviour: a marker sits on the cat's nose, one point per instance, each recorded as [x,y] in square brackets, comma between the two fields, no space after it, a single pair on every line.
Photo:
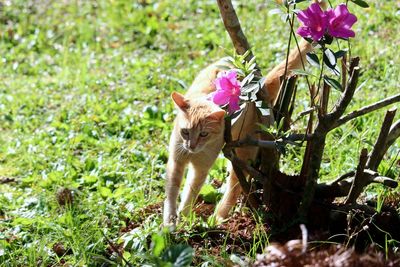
[192,144]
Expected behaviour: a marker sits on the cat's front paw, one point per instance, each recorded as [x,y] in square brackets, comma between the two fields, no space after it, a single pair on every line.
[170,221]
[169,215]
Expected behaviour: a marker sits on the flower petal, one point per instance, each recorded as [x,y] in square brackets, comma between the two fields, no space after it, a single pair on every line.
[234,104]
[222,83]
[342,33]
[221,97]
[314,22]
[304,31]
[340,21]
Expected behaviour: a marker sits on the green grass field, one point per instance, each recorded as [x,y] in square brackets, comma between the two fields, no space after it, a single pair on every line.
[84,104]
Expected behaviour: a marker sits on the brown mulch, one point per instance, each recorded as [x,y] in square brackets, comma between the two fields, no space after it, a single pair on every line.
[237,236]
[291,255]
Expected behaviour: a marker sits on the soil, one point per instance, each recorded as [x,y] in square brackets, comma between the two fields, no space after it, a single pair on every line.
[238,234]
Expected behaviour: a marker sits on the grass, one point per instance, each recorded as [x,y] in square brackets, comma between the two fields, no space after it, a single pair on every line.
[84,104]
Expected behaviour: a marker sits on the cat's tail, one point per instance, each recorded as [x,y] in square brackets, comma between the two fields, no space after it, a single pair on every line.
[296,60]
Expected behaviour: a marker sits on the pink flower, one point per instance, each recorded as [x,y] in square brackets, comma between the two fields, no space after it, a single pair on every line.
[314,22]
[228,90]
[340,21]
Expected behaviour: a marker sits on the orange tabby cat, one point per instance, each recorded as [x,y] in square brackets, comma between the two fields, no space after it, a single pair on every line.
[198,137]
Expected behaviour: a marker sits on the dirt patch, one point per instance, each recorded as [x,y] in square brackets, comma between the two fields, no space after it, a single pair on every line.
[242,231]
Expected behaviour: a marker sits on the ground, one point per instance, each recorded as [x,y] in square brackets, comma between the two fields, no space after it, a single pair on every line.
[85,117]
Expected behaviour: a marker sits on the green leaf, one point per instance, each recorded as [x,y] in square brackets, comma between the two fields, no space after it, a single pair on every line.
[90,179]
[105,192]
[313,60]
[158,244]
[340,53]
[209,194]
[329,58]
[330,61]
[332,82]
[179,255]
[276,11]
[360,3]
[223,67]
[292,2]
[247,79]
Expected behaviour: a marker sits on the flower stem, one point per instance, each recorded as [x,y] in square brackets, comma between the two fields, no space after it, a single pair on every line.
[320,75]
[289,41]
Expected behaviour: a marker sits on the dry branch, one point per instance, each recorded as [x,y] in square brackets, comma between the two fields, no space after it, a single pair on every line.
[269,144]
[367,109]
[379,149]
[394,133]
[325,99]
[239,40]
[232,25]
[237,165]
[315,148]
[341,186]
[359,181]
[340,107]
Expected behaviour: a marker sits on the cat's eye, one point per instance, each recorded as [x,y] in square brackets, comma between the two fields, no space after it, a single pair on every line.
[203,134]
[185,132]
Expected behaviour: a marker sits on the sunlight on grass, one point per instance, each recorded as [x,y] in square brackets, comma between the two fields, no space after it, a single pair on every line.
[84,105]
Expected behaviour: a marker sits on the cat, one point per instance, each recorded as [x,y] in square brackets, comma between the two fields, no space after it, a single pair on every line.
[198,135]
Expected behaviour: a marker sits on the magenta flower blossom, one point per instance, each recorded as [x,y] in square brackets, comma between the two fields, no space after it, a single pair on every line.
[340,21]
[314,22]
[335,22]
[228,90]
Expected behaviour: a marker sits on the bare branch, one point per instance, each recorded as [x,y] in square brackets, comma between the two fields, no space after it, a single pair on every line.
[394,133]
[379,149]
[232,25]
[344,176]
[270,144]
[359,181]
[341,188]
[237,165]
[239,40]
[325,99]
[367,109]
[389,182]
[346,98]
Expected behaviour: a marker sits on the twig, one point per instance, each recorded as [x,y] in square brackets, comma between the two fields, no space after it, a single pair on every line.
[379,148]
[304,237]
[394,133]
[229,153]
[257,175]
[115,249]
[347,95]
[239,40]
[344,70]
[342,177]
[367,109]
[341,188]
[237,168]
[359,181]
[232,25]
[6,180]
[325,99]
[251,141]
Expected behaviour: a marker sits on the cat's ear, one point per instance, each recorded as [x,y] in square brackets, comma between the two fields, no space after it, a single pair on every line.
[180,101]
[217,115]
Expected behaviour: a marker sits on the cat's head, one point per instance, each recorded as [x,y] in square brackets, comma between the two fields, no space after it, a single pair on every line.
[199,122]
